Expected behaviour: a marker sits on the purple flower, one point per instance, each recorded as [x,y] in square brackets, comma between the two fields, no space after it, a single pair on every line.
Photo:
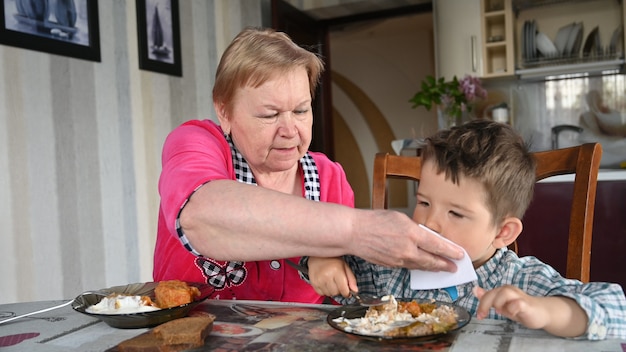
[472,88]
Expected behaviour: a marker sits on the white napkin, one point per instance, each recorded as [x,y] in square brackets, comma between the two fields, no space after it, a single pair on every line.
[428,280]
[400,144]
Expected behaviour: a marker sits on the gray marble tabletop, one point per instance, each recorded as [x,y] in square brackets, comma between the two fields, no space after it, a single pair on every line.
[269,326]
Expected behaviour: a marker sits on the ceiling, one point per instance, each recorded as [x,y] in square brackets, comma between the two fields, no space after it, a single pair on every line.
[351,10]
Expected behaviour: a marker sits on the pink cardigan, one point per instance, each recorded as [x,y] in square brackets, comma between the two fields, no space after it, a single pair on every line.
[195,153]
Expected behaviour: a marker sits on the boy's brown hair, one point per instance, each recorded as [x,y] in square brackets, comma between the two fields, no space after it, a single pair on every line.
[491,153]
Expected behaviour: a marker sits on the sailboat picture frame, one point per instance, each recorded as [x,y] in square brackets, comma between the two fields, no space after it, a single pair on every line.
[59,27]
[158,34]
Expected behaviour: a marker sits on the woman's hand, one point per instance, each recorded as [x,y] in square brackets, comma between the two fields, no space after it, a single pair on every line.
[392,239]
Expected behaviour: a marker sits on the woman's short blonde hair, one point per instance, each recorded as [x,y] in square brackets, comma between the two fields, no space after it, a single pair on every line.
[255,56]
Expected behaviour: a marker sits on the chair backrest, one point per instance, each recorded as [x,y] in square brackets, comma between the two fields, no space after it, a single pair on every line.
[582,160]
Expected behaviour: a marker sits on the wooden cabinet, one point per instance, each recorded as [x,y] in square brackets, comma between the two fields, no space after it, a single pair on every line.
[488,38]
[457,38]
[498,49]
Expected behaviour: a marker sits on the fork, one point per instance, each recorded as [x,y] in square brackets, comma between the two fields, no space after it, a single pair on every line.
[364,300]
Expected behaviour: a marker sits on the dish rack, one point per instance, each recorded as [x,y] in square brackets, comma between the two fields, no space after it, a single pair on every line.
[558,37]
[520,5]
[570,60]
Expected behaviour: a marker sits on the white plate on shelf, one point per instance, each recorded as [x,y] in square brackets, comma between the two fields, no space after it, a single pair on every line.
[575,36]
[561,38]
[579,41]
[617,41]
[545,45]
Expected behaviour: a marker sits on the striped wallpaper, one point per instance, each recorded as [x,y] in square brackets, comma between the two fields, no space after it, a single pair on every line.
[80,145]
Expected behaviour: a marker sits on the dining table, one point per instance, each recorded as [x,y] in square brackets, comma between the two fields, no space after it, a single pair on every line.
[242,325]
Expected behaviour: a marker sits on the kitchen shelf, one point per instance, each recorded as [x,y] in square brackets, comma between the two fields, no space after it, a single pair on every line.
[497,38]
[520,5]
[495,26]
[575,60]
[586,68]
[550,16]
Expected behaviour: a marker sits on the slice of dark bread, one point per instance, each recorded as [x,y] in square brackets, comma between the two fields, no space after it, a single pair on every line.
[175,335]
[190,330]
[142,343]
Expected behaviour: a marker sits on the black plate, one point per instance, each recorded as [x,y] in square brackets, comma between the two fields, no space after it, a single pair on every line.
[352,312]
[525,41]
[532,38]
[590,42]
[143,319]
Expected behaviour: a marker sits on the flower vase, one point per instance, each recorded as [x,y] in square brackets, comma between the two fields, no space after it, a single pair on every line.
[446,121]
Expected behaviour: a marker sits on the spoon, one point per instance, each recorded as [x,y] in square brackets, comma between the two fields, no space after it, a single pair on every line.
[372,301]
[401,323]
[36,312]
[369,300]
[51,308]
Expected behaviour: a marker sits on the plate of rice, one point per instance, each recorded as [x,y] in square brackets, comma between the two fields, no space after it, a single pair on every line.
[419,320]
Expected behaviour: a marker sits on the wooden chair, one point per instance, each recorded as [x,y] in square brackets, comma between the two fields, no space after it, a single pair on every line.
[583,161]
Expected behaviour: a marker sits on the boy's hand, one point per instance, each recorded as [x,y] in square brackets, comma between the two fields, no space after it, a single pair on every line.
[331,276]
[558,315]
[512,303]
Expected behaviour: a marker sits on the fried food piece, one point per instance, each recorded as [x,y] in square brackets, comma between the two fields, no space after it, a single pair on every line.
[174,293]
[416,308]
[439,320]
[412,307]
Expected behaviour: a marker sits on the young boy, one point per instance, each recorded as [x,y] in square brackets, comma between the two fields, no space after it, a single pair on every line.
[476,182]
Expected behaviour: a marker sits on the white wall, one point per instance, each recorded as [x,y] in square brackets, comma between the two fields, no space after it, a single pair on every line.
[387,59]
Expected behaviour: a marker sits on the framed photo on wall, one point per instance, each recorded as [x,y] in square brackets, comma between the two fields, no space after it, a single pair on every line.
[158,34]
[61,27]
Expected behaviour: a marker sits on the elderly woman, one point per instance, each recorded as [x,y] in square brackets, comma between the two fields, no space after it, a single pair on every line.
[239,197]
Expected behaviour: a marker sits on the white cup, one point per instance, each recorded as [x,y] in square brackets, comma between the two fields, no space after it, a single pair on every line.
[500,115]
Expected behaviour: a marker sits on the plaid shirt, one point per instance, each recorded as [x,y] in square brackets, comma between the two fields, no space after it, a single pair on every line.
[604,303]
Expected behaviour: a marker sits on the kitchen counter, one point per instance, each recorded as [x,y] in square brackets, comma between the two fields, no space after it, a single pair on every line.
[603,175]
